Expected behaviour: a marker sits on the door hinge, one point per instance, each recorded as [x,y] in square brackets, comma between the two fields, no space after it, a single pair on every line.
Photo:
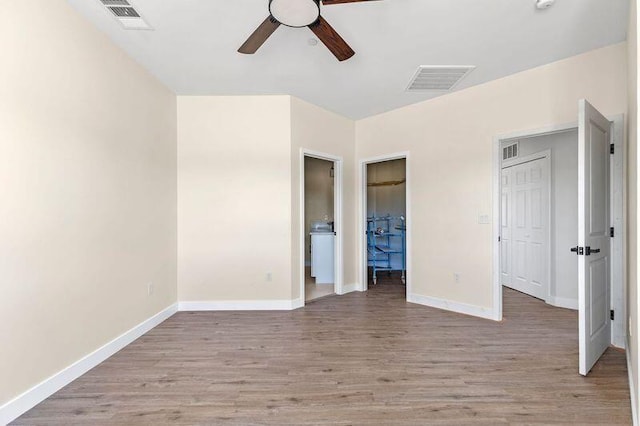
[612,232]
[499,239]
[612,148]
[613,315]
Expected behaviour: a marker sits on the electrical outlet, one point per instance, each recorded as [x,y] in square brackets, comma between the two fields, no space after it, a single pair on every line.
[269,277]
[150,289]
[456,277]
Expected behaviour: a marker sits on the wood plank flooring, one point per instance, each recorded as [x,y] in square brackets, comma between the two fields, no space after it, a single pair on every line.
[364,358]
[313,291]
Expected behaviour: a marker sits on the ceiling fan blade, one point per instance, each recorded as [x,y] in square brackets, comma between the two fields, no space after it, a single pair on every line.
[332,39]
[259,36]
[330,2]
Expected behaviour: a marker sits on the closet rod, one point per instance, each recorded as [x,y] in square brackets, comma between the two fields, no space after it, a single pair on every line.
[388,183]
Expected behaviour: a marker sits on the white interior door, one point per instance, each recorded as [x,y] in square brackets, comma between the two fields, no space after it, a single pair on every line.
[528,225]
[505,236]
[593,235]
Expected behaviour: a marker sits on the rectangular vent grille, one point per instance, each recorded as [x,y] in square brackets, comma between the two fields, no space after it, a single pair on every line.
[115,2]
[438,78]
[124,12]
[510,151]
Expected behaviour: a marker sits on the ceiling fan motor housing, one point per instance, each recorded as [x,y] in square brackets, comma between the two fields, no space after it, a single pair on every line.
[295,13]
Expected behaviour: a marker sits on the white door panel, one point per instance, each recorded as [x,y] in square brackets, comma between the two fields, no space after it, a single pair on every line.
[506,246]
[593,235]
[527,227]
[505,261]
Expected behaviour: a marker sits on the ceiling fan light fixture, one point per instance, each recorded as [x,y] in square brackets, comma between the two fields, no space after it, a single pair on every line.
[295,13]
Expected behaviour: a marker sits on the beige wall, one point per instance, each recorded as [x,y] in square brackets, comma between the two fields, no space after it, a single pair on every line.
[316,129]
[450,144]
[318,196]
[88,195]
[234,201]
[239,194]
[632,201]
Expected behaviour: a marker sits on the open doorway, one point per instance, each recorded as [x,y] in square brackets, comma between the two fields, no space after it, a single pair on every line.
[386,222]
[319,227]
[559,224]
[539,181]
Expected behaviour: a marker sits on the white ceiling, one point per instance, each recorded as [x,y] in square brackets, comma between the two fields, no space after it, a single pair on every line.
[193,47]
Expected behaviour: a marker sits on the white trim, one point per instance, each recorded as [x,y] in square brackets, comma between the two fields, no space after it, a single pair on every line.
[563,302]
[618,242]
[32,397]
[350,288]
[297,303]
[337,220]
[447,305]
[362,218]
[531,133]
[632,389]
[363,270]
[241,305]
[497,228]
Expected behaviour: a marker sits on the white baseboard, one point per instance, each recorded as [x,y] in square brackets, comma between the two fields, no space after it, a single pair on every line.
[632,389]
[32,397]
[350,288]
[447,305]
[563,302]
[242,305]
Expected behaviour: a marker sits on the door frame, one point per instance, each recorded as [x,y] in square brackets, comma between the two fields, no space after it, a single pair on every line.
[338,248]
[546,156]
[618,218]
[363,273]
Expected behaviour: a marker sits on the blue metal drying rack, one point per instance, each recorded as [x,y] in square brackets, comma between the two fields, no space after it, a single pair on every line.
[383,244]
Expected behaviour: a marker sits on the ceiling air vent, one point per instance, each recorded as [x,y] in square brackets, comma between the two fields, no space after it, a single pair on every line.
[438,78]
[115,2]
[510,151]
[126,14]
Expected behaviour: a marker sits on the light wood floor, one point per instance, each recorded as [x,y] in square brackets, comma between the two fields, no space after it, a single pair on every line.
[313,291]
[364,358]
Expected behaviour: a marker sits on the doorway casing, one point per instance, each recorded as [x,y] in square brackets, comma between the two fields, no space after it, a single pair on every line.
[362,218]
[618,219]
[337,219]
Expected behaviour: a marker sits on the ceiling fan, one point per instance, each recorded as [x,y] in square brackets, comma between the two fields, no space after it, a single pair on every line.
[298,14]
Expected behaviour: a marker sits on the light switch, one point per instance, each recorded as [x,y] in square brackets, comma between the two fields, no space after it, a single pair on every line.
[484,219]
